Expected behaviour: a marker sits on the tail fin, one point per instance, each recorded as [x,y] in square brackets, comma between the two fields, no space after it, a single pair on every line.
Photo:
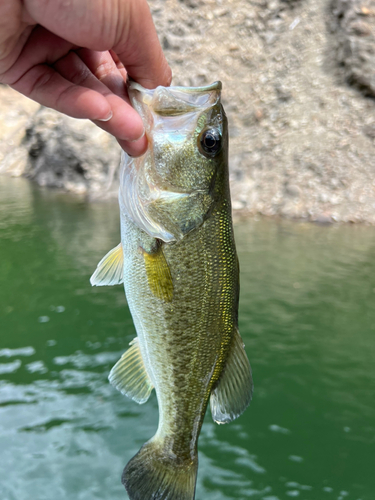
[152,475]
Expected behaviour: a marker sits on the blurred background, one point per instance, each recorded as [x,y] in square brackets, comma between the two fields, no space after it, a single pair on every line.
[298,88]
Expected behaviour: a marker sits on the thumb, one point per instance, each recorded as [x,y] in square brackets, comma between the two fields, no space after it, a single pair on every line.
[138,46]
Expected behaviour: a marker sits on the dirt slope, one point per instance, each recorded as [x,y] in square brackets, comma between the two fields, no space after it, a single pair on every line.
[299,88]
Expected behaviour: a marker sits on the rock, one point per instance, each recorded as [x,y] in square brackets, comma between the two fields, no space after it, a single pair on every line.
[55,150]
[282,93]
[292,190]
[369,130]
[15,113]
[355,27]
[70,154]
[323,219]
[192,4]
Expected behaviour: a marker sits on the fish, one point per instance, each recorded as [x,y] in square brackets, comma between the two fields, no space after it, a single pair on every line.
[177,260]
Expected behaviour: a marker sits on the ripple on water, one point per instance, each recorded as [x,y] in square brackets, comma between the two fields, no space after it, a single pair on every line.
[21,351]
[81,360]
[277,428]
[37,367]
[10,367]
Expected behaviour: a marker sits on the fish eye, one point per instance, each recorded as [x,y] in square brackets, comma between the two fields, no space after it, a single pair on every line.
[209,142]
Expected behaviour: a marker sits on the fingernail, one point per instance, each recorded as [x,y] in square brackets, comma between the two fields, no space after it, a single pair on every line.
[106,119]
[140,137]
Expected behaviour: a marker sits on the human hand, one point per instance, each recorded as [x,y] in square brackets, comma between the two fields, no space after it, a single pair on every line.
[74,56]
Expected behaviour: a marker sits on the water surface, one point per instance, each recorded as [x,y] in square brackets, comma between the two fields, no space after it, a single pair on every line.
[307,317]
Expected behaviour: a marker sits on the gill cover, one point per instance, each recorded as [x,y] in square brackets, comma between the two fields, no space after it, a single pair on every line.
[168,191]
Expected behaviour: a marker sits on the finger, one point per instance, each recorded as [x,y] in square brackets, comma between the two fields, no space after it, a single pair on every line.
[126,27]
[125,123]
[40,47]
[102,65]
[135,148]
[30,76]
[138,46]
[119,65]
[11,48]
[44,85]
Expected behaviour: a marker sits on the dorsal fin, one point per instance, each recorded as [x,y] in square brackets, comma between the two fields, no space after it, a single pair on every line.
[110,270]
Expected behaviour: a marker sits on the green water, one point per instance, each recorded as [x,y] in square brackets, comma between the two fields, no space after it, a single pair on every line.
[307,317]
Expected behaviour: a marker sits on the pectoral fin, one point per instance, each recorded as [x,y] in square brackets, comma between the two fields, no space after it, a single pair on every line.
[129,375]
[110,270]
[234,389]
[158,274]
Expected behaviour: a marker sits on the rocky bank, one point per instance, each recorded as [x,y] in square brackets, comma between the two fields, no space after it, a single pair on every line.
[298,88]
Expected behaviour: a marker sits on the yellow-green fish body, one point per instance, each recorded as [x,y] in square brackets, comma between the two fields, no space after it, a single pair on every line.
[178,262]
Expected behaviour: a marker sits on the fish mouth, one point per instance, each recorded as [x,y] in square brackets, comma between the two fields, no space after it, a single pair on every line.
[174,101]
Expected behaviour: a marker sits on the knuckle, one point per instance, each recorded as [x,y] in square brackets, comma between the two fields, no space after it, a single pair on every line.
[80,75]
[103,70]
[42,80]
[64,97]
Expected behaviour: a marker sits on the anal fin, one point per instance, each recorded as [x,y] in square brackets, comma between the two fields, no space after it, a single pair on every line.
[129,374]
[110,270]
[233,391]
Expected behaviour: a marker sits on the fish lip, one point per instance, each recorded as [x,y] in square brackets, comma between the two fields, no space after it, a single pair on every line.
[132,85]
[174,100]
[208,88]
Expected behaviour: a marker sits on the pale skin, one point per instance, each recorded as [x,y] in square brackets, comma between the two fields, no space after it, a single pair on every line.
[74,56]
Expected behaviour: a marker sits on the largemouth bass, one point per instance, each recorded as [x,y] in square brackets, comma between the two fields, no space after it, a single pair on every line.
[178,262]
